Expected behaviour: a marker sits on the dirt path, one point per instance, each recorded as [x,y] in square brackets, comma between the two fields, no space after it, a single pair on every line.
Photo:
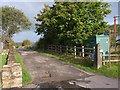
[45,69]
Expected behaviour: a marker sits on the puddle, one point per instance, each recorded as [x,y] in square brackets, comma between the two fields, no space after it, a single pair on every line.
[64,85]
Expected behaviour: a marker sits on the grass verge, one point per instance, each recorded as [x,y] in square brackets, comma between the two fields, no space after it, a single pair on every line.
[87,65]
[4,59]
[26,77]
[3,62]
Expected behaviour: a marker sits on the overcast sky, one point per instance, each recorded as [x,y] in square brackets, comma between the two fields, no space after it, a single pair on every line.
[31,9]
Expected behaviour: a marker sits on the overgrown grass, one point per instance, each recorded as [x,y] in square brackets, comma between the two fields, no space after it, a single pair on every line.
[3,62]
[4,59]
[26,77]
[87,64]
[117,52]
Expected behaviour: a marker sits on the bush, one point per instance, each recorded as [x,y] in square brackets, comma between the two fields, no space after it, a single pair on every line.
[26,42]
[18,45]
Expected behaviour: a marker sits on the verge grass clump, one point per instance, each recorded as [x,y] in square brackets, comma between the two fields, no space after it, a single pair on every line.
[4,59]
[26,77]
[3,62]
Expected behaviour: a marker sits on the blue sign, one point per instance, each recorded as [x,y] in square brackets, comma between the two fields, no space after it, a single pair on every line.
[92,56]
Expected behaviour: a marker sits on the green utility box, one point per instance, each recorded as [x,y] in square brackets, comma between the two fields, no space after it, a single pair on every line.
[103,40]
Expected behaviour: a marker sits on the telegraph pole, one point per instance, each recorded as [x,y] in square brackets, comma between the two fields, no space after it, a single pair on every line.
[115,31]
[109,48]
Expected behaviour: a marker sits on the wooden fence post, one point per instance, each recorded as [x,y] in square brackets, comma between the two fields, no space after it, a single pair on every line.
[97,59]
[94,52]
[83,51]
[60,49]
[75,51]
[66,50]
[55,48]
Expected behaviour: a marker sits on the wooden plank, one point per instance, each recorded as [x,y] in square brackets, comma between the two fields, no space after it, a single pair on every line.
[89,48]
[97,59]
[85,48]
[75,51]
[83,54]
[110,61]
[112,55]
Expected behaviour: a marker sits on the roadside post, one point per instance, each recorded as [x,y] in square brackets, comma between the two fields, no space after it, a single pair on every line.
[97,59]
[75,51]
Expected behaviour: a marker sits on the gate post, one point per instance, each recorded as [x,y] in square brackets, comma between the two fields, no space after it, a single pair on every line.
[75,51]
[97,59]
[82,51]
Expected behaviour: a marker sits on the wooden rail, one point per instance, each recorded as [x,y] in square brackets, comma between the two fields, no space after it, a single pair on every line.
[111,55]
[79,52]
[71,50]
[110,61]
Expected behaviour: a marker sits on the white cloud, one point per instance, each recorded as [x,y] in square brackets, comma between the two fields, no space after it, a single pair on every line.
[111,0]
[28,1]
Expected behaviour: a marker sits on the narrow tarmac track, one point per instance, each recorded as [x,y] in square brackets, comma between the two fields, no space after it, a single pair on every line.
[48,72]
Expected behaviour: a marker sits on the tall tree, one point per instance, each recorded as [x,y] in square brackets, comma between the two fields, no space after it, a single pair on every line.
[26,42]
[72,22]
[13,20]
